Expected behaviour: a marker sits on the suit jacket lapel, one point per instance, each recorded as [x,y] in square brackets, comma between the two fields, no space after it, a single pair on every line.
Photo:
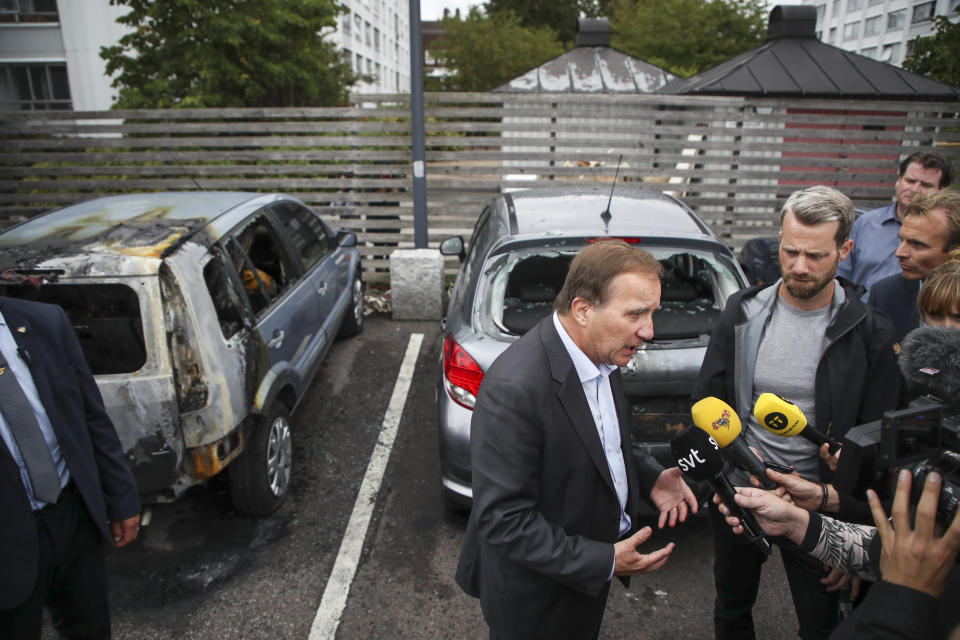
[570,395]
[23,334]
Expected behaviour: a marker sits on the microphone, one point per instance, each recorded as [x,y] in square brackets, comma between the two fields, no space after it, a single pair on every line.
[783,418]
[699,458]
[930,358]
[719,421]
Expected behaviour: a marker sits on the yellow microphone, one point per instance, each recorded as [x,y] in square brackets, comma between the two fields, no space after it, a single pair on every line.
[786,419]
[722,423]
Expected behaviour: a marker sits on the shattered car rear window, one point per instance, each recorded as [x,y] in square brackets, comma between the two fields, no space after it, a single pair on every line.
[106,318]
[522,285]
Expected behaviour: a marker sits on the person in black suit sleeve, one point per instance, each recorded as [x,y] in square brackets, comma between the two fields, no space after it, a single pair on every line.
[53,554]
[891,296]
[556,489]
[930,231]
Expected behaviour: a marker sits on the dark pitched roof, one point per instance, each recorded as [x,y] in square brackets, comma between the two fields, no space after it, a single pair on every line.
[593,66]
[792,62]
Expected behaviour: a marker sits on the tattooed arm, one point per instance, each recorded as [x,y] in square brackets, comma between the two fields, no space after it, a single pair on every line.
[841,545]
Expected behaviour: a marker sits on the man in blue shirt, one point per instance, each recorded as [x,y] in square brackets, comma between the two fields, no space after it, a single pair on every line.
[875,233]
[930,232]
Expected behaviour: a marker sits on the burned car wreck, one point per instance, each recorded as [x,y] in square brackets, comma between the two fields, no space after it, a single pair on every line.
[203,316]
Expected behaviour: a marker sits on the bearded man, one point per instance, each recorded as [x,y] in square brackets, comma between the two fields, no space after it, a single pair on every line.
[809,340]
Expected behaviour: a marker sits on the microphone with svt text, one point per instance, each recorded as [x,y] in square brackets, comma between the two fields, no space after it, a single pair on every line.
[719,421]
[699,458]
[783,418]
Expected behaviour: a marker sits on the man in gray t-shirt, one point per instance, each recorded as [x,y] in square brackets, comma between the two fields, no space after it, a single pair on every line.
[810,341]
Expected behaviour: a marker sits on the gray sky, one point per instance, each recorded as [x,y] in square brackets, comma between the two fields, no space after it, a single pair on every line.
[433,9]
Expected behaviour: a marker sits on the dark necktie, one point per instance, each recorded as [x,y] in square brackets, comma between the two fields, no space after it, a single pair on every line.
[28,436]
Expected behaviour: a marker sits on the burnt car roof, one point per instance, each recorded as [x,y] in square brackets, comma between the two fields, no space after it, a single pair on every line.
[127,228]
[576,211]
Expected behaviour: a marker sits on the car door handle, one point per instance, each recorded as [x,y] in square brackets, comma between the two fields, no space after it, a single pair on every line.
[322,290]
[276,340]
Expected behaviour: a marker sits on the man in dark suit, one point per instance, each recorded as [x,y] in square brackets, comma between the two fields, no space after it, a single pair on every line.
[54,528]
[556,489]
[930,231]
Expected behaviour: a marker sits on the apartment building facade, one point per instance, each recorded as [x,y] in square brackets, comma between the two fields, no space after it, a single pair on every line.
[878,29]
[50,54]
[375,36]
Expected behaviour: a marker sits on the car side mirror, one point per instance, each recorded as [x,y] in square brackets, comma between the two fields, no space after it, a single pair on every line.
[453,246]
[346,239]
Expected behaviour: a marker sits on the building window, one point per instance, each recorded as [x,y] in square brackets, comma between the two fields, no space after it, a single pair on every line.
[821,9]
[890,53]
[853,5]
[29,11]
[34,87]
[896,19]
[347,22]
[359,63]
[871,26]
[833,35]
[835,8]
[367,29]
[923,12]
[376,39]
[358,27]
[851,30]
[869,52]
[873,3]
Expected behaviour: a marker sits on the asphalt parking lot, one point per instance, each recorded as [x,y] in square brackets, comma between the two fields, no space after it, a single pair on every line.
[199,570]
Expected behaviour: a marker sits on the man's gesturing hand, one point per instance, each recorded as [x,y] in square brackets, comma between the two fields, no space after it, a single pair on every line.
[630,562]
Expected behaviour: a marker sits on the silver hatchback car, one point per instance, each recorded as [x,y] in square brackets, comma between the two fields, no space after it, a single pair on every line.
[512,270]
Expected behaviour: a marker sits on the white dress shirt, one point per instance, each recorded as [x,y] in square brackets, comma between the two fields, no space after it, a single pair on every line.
[596,387]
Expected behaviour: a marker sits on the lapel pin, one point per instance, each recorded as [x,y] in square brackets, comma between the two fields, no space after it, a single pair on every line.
[22,329]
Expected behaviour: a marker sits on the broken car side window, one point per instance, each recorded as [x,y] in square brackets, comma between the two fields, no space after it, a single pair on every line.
[306,232]
[261,263]
[226,299]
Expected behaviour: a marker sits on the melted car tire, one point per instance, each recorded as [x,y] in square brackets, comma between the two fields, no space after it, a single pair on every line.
[260,477]
[352,322]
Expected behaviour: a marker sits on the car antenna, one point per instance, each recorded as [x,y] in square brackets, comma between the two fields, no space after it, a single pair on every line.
[184,169]
[606,215]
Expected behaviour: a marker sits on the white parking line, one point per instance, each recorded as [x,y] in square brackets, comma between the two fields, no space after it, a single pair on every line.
[345,567]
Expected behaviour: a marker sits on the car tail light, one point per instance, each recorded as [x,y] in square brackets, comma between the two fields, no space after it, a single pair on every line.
[627,239]
[461,374]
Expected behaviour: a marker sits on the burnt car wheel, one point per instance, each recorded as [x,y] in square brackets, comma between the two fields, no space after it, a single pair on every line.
[352,322]
[260,477]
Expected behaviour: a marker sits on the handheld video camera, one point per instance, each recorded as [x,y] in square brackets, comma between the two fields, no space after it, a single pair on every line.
[922,438]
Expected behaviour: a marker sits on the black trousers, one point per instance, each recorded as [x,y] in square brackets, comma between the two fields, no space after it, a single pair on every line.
[737,566]
[72,578]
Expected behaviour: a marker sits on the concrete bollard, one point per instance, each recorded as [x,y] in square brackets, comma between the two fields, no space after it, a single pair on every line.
[416,284]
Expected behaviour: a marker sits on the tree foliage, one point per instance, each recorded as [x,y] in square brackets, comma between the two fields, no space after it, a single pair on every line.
[484,51]
[687,36]
[559,15]
[228,53]
[937,56]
